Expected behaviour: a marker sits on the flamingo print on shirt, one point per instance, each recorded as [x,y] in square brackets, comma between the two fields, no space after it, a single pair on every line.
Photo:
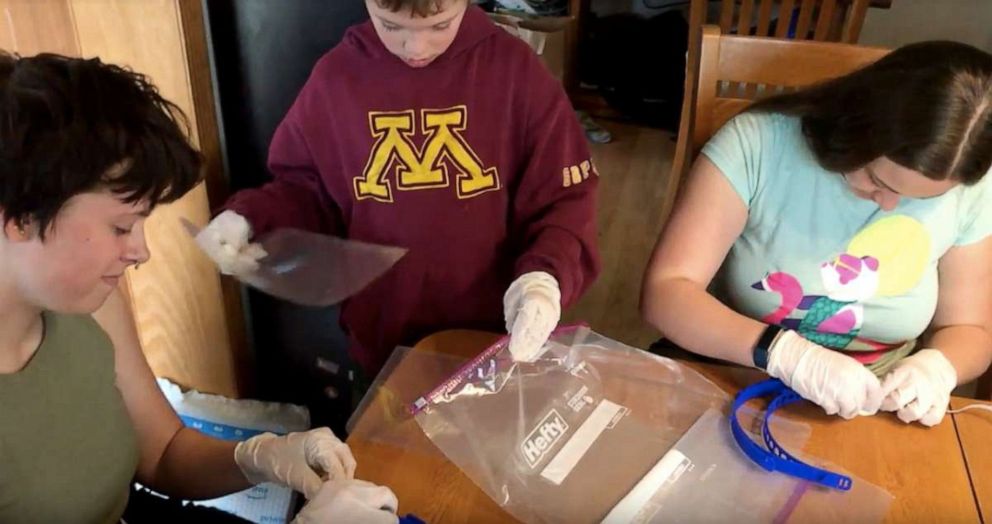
[833,320]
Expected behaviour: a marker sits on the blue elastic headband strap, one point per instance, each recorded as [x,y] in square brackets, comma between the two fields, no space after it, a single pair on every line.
[776,458]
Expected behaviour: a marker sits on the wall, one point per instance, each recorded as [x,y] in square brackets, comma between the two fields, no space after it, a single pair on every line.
[968,21]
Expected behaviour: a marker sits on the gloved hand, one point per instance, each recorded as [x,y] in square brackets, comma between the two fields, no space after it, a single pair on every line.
[836,382]
[225,240]
[301,461]
[919,387]
[532,308]
[349,501]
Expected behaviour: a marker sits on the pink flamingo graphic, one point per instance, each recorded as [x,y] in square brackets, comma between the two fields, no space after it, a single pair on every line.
[788,288]
[792,298]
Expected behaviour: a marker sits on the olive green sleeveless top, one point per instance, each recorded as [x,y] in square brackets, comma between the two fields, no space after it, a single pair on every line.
[68,450]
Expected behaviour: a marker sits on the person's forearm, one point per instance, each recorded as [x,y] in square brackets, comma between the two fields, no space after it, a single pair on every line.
[285,203]
[692,318]
[968,348]
[565,255]
[196,467]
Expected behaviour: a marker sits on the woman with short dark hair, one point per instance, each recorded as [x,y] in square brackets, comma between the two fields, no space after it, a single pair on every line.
[87,150]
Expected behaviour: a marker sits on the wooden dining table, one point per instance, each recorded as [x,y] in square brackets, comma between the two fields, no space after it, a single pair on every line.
[974,428]
[940,474]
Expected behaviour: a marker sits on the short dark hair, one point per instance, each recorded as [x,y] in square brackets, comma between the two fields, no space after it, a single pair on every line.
[925,106]
[422,8]
[66,123]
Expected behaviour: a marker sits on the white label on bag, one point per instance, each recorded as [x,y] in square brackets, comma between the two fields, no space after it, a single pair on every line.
[543,437]
[636,507]
[579,444]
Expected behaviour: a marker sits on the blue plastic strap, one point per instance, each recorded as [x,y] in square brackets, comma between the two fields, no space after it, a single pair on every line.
[776,458]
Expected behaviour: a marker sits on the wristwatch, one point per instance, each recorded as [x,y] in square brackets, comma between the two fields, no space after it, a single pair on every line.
[760,353]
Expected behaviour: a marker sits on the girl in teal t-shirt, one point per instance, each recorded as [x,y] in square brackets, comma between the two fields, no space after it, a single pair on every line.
[822,232]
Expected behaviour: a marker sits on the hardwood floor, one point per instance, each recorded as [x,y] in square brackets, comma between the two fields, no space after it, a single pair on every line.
[632,171]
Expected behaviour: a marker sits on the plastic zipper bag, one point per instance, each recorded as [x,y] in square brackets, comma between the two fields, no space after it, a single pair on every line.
[566,437]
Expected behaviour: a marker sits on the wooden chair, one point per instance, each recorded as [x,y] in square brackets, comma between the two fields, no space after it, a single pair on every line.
[817,20]
[835,20]
[820,20]
[760,66]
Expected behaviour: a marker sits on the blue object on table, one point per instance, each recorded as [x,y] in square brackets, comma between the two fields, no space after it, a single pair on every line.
[776,458]
[410,518]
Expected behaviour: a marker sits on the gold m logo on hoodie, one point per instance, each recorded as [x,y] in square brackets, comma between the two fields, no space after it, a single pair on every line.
[423,168]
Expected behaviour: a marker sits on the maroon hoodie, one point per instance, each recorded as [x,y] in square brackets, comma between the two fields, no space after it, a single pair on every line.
[475,163]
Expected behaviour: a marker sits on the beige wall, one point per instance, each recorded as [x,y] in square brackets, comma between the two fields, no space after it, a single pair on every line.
[968,21]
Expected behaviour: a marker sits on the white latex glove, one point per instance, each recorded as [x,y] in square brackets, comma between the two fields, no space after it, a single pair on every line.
[532,308]
[836,382]
[350,501]
[919,387]
[302,461]
[225,240]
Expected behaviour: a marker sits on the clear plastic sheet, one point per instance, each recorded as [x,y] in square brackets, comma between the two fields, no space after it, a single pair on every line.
[814,504]
[311,269]
[705,478]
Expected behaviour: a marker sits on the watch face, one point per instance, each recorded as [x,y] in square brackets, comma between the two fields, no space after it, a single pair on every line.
[760,354]
[760,357]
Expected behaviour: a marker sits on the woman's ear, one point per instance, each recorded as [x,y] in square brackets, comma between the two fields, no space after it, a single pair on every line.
[17,230]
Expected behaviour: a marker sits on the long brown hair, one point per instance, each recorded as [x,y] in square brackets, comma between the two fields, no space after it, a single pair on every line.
[925,106]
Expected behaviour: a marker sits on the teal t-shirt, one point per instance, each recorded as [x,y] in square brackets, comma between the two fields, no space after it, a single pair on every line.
[816,258]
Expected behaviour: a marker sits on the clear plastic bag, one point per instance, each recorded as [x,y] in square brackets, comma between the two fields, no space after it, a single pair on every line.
[383,416]
[311,269]
[565,438]
[594,430]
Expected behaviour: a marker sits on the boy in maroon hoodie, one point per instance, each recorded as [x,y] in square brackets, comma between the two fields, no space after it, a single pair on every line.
[430,128]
